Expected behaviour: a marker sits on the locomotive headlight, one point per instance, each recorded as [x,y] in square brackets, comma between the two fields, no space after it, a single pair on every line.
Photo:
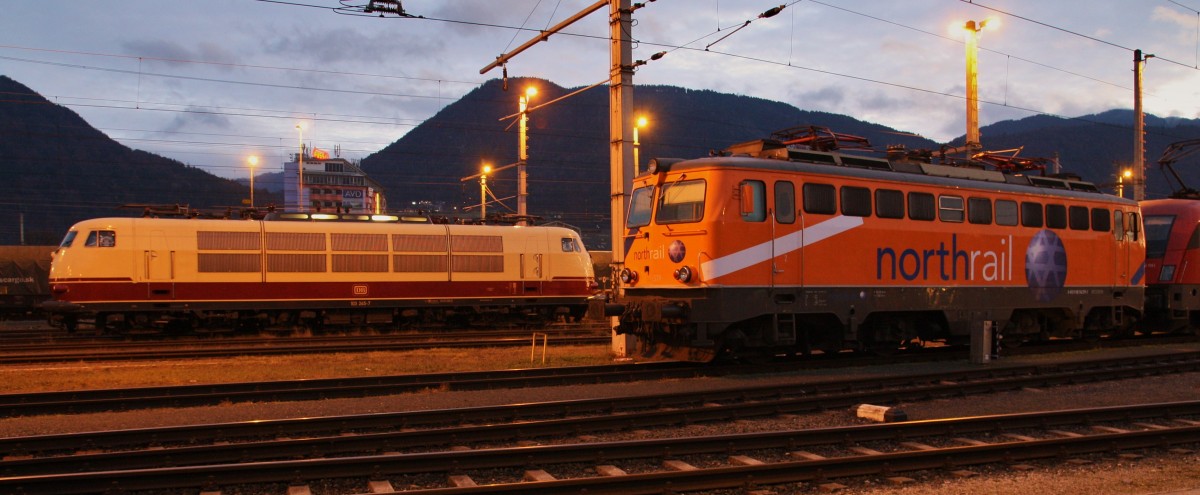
[628,277]
[683,274]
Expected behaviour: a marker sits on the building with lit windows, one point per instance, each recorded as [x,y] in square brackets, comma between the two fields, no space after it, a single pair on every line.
[332,185]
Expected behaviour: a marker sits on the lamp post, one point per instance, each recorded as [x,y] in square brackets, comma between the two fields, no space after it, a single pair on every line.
[523,154]
[973,29]
[300,203]
[641,122]
[253,162]
[483,193]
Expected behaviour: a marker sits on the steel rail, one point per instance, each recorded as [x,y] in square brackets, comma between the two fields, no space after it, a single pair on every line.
[351,433]
[377,467]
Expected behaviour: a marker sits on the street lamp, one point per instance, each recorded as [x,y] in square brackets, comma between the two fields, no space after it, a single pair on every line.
[253,162]
[300,203]
[641,122]
[1126,174]
[973,29]
[523,153]
[483,192]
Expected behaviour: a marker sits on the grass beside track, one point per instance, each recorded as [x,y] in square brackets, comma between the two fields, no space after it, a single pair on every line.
[116,374]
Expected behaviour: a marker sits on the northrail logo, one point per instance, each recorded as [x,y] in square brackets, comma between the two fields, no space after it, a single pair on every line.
[946,263]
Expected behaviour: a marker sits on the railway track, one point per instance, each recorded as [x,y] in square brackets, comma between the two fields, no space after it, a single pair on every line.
[351,446]
[96,350]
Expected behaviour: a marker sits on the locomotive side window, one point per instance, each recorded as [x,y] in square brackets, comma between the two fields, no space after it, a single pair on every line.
[1006,212]
[889,203]
[1031,214]
[950,209]
[754,200]
[639,207]
[102,238]
[921,206]
[1100,221]
[856,201]
[820,199]
[681,202]
[979,211]
[785,202]
[1056,216]
[1077,217]
[1135,227]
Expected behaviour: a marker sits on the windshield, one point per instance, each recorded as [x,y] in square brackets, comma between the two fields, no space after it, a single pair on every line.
[639,207]
[70,237]
[681,202]
[1158,232]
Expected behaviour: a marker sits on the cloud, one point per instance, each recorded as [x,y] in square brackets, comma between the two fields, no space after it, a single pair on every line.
[1161,13]
[176,55]
[324,47]
[197,117]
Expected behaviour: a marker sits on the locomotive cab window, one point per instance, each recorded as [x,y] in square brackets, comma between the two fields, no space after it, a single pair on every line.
[569,245]
[1158,232]
[856,201]
[820,199]
[101,238]
[889,203]
[950,209]
[1119,225]
[68,239]
[921,206]
[753,195]
[681,202]
[639,207]
[785,202]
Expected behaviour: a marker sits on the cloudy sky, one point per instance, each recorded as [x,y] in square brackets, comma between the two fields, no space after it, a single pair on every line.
[211,82]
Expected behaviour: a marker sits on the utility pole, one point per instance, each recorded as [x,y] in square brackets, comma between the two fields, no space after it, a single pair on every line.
[1139,128]
[620,105]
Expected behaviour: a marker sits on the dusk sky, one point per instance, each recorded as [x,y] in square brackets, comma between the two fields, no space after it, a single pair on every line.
[212,82]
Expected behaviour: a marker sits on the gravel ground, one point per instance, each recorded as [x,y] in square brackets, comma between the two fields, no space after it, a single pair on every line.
[1158,472]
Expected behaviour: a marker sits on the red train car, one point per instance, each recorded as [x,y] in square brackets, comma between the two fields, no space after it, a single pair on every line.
[772,249]
[181,274]
[1172,264]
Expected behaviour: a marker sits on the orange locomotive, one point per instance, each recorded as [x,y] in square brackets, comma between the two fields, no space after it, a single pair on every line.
[182,274]
[773,249]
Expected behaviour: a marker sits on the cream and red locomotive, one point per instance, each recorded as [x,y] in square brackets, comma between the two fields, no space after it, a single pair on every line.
[776,248]
[182,274]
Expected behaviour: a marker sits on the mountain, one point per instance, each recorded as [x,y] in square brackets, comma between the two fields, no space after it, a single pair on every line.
[1096,146]
[568,165]
[60,170]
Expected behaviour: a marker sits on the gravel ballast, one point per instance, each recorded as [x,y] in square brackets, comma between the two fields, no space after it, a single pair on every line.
[1157,472]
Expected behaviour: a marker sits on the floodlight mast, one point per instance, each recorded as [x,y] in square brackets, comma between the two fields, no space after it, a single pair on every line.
[620,103]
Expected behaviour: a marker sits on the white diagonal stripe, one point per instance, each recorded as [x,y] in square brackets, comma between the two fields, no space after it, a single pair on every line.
[783,245]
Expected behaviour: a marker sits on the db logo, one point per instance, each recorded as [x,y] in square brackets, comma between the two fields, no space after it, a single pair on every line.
[360,290]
